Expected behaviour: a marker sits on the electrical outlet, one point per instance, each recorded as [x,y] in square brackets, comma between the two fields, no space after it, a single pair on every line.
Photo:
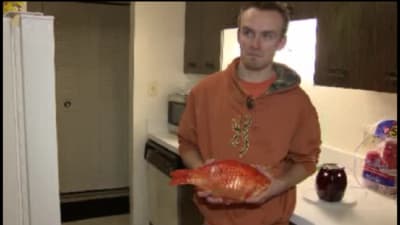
[152,90]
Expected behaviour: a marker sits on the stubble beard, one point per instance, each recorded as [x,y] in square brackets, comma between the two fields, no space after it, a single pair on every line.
[255,65]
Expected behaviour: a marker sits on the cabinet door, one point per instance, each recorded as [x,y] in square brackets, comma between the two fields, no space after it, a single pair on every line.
[356,45]
[376,47]
[302,10]
[211,37]
[335,57]
[201,38]
[386,46]
[363,44]
[203,26]
[194,23]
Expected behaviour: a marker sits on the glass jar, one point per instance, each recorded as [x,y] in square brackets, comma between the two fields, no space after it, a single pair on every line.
[331,182]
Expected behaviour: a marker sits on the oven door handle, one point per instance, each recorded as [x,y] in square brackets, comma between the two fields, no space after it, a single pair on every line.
[163,159]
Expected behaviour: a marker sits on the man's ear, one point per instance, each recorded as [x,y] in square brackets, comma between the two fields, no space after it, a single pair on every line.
[282,43]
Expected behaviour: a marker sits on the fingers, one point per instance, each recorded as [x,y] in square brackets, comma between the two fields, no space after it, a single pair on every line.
[217,200]
[263,169]
[203,194]
[228,202]
[257,199]
[249,200]
[212,199]
[253,198]
[260,167]
[207,195]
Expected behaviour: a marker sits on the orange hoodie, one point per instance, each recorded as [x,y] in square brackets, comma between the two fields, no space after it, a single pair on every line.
[281,128]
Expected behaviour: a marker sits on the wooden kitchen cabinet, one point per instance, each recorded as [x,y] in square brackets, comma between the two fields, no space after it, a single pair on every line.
[302,10]
[386,46]
[356,45]
[335,42]
[203,26]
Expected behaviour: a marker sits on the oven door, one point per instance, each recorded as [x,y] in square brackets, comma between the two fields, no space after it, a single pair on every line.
[163,207]
[168,205]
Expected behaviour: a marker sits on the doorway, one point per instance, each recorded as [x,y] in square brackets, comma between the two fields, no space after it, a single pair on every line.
[92,100]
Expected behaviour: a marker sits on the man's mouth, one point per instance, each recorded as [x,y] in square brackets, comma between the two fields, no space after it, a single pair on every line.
[254,55]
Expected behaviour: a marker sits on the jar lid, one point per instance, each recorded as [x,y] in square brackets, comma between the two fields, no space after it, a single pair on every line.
[332,166]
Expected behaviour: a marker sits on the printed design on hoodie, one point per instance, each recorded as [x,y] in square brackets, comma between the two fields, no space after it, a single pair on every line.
[240,138]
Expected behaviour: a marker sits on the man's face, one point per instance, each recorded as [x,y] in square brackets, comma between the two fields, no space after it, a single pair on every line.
[259,36]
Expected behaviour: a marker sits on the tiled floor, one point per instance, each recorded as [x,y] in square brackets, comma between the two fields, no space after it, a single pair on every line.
[108,220]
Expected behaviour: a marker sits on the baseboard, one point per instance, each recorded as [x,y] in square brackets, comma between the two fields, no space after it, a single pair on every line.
[93,194]
[85,209]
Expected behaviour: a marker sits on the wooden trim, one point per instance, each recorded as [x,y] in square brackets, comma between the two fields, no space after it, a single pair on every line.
[72,211]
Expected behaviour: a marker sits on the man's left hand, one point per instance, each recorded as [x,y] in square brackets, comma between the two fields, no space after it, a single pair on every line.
[276,187]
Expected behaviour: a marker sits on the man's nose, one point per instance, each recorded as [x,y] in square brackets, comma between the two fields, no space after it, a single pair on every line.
[255,42]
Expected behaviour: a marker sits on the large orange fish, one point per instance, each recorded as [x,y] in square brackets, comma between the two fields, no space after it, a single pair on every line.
[228,179]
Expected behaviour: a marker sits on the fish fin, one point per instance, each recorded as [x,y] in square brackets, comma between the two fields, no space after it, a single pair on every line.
[179,177]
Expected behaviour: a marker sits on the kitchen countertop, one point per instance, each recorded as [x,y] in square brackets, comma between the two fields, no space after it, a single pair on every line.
[166,139]
[359,206]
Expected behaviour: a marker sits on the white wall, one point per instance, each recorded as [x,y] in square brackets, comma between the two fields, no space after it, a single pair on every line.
[159,29]
[346,114]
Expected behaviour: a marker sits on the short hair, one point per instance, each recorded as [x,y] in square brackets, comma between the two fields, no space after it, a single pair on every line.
[279,7]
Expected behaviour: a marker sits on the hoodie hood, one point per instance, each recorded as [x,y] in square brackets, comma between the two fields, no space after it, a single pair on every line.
[286,78]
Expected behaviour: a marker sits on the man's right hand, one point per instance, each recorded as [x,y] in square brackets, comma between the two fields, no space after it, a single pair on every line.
[208,196]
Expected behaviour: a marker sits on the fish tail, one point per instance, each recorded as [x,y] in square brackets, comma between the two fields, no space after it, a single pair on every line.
[179,177]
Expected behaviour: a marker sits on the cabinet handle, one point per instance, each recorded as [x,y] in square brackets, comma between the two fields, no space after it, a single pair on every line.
[192,64]
[391,76]
[337,73]
[210,65]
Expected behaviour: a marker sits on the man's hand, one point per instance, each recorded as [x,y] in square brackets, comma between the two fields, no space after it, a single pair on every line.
[212,199]
[276,187]
[208,196]
[293,175]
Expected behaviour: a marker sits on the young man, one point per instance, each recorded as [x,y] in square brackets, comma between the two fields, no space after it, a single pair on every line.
[254,112]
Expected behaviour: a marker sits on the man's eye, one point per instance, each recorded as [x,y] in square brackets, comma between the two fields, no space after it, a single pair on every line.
[247,33]
[269,35]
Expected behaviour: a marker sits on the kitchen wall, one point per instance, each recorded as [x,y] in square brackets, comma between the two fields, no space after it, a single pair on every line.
[346,114]
[158,70]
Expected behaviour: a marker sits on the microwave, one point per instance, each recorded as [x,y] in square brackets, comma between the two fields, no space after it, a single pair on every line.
[176,106]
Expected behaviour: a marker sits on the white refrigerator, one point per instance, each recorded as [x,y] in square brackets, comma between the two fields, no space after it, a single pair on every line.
[30,164]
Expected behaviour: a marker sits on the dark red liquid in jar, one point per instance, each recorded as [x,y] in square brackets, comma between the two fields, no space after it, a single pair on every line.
[331,182]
